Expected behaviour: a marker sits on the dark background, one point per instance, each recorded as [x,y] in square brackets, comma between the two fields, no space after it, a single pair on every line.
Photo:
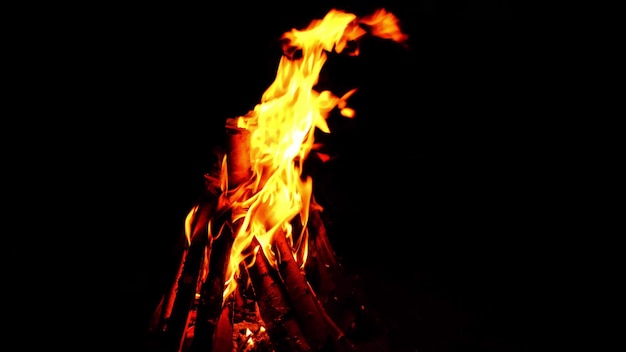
[427,194]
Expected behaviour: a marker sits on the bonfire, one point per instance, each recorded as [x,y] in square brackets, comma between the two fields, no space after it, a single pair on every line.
[258,272]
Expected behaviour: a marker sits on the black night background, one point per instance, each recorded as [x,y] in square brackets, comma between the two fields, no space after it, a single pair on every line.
[426,190]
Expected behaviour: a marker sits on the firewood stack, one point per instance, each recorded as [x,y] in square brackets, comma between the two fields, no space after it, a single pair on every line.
[287,308]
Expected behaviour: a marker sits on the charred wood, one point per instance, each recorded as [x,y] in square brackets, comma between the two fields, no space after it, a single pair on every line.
[318,328]
[186,286]
[274,306]
[211,310]
[322,268]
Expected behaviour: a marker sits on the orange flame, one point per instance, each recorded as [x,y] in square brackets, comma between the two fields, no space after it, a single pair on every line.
[282,130]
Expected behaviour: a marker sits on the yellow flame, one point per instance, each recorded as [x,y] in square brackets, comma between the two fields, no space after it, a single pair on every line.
[188,221]
[282,130]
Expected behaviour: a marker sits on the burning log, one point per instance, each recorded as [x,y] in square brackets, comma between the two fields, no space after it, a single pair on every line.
[223,338]
[309,313]
[274,307]
[175,324]
[322,268]
[212,314]
[239,167]
[163,311]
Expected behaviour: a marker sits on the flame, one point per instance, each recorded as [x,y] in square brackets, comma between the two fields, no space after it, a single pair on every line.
[188,223]
[282,130]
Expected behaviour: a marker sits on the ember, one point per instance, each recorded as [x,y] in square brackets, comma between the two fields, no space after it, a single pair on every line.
[258,272]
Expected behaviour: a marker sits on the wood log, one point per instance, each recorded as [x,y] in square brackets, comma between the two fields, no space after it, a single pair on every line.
[274,306]
[338,292]
[223,338]
[238,157]
[319,330]
[300,295]
[210,305]
[163,311]
[187,284]
[322,268]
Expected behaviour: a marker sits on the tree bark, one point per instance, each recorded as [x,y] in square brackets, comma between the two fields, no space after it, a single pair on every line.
[274,306]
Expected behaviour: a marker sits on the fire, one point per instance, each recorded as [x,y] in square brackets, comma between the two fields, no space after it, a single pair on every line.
[281,130]
[255,218]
